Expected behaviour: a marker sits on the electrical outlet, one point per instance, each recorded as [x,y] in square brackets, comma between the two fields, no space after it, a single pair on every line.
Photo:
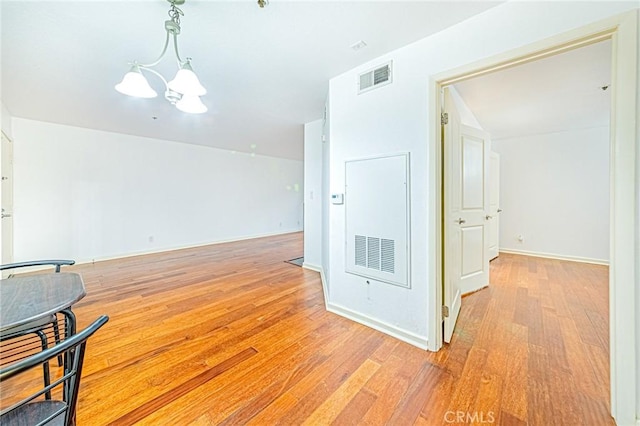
[151,238]
[520,238]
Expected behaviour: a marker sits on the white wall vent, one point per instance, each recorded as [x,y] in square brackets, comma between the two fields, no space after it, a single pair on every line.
[377,218]
[375,253]
[361,251]
[375,78]
[387,256]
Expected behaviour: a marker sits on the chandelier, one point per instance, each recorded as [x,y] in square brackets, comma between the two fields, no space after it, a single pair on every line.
[184,90]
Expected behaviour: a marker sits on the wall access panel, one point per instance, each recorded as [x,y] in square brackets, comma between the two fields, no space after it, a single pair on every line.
[377,218]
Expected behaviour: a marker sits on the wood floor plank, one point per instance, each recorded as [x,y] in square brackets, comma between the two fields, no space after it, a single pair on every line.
[387,402]
[437,402]
[171,395]
[338,400]
[356,408]
[310,400]
[515,373]
[409,408]
[387,371]
[231,334]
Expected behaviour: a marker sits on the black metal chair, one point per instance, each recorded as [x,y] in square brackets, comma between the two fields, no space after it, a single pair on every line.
[37,327]
[56,263]
[36,409]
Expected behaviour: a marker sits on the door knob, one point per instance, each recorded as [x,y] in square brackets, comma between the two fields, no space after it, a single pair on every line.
[488,217]
[499,210]
[3,215]
[461,221]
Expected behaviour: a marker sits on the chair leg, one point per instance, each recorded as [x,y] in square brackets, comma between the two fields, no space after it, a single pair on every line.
[56,336]
[45,365]
[69,329]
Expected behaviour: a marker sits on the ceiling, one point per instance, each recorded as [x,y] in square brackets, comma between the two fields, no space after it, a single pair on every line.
[558,93]
[266,70]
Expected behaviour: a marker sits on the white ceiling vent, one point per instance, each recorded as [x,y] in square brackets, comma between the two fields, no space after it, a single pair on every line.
[375,78]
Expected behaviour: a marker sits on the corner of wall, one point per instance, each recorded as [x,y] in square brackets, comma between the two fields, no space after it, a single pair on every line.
[467,116]
[400,334]
[323,279]
[5,120]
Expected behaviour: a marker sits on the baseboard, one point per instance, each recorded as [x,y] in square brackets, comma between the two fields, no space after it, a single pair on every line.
[188,246]
[556,256]
[405,336]
[312,267]
[381,326]
[469,293]
[325,288]
[164,250]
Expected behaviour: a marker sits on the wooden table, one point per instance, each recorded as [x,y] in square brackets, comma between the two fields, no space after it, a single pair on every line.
[24,299]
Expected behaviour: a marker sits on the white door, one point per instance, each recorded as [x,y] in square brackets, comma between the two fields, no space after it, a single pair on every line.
[466,205]
[7,200]
[494,205]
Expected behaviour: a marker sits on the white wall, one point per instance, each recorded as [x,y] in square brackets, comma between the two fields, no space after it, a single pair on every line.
[466,115]
[313,194]
[396,118]
[87,194]
[554,191]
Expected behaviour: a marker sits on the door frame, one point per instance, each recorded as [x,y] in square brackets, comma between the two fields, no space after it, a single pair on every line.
[624,171]
[2,233]
[496,212]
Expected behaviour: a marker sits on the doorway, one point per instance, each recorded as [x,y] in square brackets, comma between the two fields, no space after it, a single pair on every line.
[549,119]
[549,122]
[622,31]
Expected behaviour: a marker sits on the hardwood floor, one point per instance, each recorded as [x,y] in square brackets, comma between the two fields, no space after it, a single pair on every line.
[231,334]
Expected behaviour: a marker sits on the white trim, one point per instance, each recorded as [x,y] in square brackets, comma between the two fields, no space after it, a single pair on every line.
[623,278]
[323,279]
[405,336]
[435,327]
[325,289]
[381,326]
[6,135]
[188,246]
[556,256]
[311,267]
[624,251]
[163,250]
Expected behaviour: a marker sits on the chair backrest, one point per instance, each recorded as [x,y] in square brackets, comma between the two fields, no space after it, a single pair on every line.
[34,409]
[57,263]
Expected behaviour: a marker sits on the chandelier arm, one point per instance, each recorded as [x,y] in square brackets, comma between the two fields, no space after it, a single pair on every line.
[146,68]
[175,47]
[157,61]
